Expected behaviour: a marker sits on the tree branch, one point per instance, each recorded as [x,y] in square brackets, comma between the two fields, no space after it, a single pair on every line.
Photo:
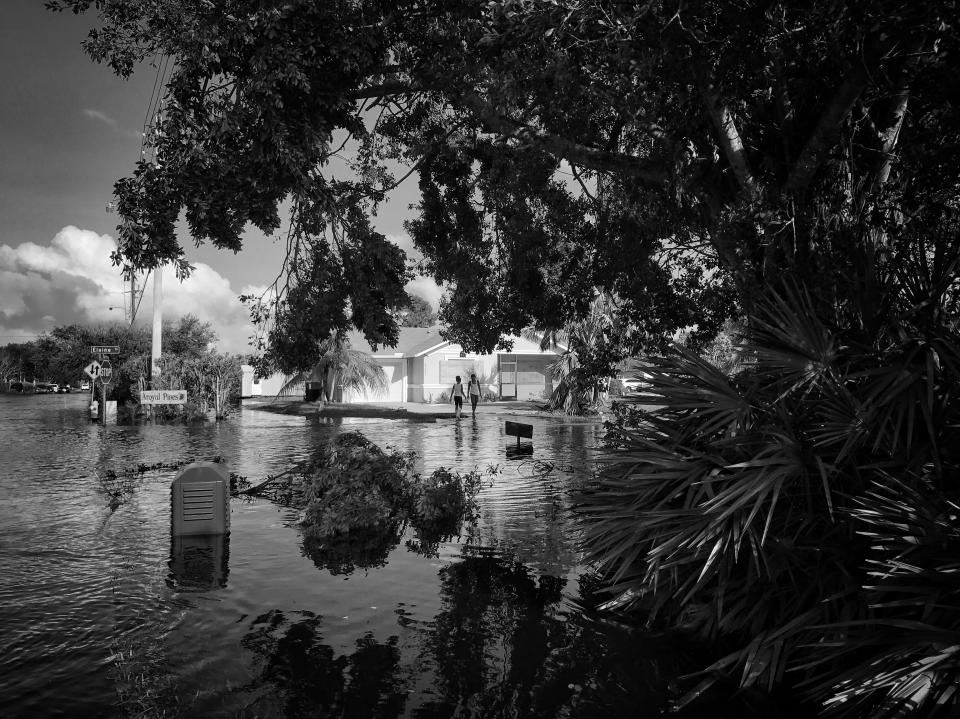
[730,139]
[825,134]
[573,152]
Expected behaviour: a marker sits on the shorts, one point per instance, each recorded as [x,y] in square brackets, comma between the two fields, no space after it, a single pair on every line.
[458,402]
[474,398]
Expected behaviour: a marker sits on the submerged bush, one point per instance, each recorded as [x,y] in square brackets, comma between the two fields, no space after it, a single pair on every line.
[351,484]
[357,500]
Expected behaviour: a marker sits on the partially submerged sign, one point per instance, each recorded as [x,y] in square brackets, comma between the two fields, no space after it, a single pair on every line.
[163,396]
[518,430]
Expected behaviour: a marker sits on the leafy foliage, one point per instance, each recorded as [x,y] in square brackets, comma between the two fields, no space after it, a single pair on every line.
[802,514]
[357,500]
[212,381]
[419,313]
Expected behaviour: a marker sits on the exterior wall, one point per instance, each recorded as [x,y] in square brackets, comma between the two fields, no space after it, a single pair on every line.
[534,380]
[246,381]
[396,371]
[415,379]
[266,386]
[440,368]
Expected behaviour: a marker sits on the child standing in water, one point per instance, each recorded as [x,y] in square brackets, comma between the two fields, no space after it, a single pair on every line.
[473,389]
[456,394]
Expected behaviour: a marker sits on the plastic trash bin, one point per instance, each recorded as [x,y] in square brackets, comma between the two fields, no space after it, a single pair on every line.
[200,500]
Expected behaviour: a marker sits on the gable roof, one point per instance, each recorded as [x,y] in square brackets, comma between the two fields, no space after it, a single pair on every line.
[419,341]
[413,341]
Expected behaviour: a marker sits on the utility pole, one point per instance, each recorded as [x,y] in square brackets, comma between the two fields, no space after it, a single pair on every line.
[155,348]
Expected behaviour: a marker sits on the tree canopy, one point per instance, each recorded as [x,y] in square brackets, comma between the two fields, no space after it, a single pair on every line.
[679,157]
[419,313]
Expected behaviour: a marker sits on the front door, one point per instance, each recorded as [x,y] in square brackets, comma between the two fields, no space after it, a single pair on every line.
[508,379]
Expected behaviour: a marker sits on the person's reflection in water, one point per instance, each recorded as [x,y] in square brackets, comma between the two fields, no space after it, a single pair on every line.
[458,439]
[199,563]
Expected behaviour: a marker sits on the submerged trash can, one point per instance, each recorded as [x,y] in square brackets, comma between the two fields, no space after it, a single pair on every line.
[200,500]
[312,391]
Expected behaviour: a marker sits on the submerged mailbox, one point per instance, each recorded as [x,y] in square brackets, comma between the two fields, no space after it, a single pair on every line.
[200,500]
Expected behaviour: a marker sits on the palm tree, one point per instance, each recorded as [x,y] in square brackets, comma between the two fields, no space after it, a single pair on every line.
[340,365]
[578,389]
[804,514]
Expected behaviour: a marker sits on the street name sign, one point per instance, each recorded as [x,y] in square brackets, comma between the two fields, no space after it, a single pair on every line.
[105,349]
[163,396]
[92,370]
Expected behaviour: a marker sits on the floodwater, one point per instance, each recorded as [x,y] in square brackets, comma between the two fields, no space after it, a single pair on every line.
[101,614]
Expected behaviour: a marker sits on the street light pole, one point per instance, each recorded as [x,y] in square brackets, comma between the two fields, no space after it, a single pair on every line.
[155,348]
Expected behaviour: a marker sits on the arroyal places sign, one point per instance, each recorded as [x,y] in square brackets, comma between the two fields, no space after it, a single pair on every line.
[163,396]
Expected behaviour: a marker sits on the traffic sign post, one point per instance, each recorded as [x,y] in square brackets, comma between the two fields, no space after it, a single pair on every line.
[92,370]
[106,372]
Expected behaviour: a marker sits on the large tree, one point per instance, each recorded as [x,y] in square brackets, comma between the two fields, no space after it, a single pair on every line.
[760,138]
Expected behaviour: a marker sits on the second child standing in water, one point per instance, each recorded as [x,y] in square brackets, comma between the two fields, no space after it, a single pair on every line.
[473,389]
[456,394]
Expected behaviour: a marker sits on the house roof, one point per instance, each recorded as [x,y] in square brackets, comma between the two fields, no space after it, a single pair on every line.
[419,341]
[413,341]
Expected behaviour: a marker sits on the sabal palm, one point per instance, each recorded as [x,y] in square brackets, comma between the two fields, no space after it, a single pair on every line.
[805,510]
[340,364]
[576,388]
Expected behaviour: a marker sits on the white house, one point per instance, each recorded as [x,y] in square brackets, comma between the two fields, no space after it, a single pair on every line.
[423,366]
[272,386]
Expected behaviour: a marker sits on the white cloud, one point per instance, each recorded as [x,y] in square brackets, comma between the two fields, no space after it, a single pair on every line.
[425,287]
[72,281]
[100,116]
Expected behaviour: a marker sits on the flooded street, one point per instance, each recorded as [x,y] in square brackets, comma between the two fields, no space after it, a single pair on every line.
[94,601]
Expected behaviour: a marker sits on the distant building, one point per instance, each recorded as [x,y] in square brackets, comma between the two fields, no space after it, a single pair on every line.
[423,366]
[275,385]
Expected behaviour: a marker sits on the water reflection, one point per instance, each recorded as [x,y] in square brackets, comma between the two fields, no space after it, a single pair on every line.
[199,563]
[82,572]
[343,553]
[503,646]
[309,679]
[504,642]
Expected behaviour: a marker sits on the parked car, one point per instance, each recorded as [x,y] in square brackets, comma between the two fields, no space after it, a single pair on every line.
[64,389]
[85,386]
[42,388]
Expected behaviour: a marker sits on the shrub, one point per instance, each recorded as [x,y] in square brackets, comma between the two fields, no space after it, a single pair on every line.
[357,499]
[351,484]
[801,516]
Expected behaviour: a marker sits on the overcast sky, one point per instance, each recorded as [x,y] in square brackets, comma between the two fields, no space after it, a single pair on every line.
[69,129]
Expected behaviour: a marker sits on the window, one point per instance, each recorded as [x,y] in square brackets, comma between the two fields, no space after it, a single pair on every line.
[450,368]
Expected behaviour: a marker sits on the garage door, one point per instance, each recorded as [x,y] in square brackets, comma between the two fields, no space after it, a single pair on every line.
[394,393]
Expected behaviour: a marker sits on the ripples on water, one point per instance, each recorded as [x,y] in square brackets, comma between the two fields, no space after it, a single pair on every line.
[256,624]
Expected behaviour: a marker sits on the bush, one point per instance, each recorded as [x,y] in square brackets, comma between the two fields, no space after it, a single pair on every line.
[801,517]
[351,484]
[357,499]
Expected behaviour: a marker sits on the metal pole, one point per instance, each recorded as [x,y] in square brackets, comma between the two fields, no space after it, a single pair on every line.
[157,327]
